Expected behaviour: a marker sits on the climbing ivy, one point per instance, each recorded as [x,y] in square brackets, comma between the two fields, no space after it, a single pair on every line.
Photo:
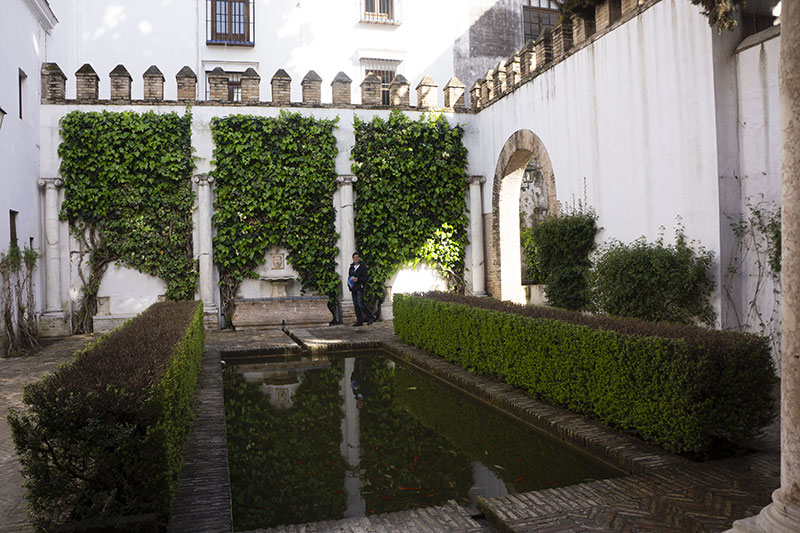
[410,203]
[128,197]
[275,180]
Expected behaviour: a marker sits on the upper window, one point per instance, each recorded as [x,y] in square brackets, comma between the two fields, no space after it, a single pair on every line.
[379,11]
[385,69]
[537,16]
[234,86]
[230,22]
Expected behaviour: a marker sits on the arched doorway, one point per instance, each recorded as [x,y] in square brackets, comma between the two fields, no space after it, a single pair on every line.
[523,150]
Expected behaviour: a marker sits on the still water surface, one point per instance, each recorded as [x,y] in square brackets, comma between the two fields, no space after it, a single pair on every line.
[325,438]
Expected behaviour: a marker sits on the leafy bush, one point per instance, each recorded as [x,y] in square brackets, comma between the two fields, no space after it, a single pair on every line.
[559,248]
[688,389]
[128,197]
[654,281]
[103,436]
[411,196]
[275,180]
[530,256]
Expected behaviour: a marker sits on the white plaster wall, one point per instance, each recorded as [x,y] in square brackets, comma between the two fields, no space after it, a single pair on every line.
[760,163]
[296,35]
[135,34]
[129,291]
[629,125]
[22,33]
[759,120]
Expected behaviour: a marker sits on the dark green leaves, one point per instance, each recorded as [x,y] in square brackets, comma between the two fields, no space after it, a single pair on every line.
[127,178]
[688,389]
[275,180]
[410,202]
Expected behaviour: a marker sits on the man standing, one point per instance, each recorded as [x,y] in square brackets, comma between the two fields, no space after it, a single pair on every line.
[357,278]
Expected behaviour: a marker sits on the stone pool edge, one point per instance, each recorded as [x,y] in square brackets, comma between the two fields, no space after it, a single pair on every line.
[651,470]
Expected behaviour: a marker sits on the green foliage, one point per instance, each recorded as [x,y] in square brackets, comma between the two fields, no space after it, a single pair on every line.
[275,180]
[17,300]
[286,465]
[103,437]
[690,390]
[757,251]
[654,281]
[558,248]
[410,202]
[530,256]
[128,196]
[721,13]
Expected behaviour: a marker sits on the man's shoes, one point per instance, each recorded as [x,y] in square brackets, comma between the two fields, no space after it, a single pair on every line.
[357,324]
[371,320]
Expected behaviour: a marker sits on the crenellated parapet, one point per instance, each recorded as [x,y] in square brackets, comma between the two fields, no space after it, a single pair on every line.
[247,89]
[576,30]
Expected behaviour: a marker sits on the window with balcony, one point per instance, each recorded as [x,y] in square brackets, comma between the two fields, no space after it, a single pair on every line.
[537,16]
[379,11]
[230,22]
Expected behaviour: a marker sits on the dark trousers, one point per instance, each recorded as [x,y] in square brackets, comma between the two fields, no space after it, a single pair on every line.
[362,311]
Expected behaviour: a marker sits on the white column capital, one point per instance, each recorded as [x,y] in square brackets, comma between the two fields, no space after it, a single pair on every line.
[203,179]
[479,180]
[346,179]
[51,183]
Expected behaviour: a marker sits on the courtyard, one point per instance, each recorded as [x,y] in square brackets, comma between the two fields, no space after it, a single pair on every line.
[660,492]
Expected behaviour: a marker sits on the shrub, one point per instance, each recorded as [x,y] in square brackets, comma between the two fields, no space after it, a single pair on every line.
[688,389]
[654,282]
[103,436]
[559,248]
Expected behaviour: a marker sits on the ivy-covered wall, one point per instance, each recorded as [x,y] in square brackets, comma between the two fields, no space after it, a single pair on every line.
[410,196]
[275,180]
[128,197]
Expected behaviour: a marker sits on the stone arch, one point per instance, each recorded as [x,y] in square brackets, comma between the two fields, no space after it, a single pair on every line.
[504,273]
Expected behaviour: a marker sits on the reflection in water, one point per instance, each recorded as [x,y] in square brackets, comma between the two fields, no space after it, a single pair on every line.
[364,435]
[351,436]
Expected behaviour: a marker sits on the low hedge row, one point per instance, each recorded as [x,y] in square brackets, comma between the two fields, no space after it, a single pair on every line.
[688,389]
[103,436]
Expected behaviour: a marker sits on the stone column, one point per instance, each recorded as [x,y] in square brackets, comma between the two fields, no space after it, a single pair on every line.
[205,254]
[53,322]
[476,234]
[347,227]
[783,514]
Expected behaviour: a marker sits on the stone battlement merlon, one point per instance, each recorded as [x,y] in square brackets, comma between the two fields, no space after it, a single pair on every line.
[571,35]
[54,83]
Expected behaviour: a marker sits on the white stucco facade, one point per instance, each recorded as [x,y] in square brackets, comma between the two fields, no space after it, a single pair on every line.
[422,38]
[631,128]
[657,122]
[24,28]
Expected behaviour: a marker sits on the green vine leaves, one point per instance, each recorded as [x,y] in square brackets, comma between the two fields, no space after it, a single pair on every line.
[411,196]
[275,180]
[127,180]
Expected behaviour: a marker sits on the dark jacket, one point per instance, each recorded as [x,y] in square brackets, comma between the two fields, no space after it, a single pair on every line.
[362,274]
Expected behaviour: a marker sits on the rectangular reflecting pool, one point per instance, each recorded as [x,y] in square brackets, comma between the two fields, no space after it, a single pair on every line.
[330,437]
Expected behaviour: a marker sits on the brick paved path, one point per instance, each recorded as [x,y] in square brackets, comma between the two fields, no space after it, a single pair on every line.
[15,373]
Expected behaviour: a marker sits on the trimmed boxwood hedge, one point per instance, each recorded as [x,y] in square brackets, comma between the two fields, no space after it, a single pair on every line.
[691,390]
[103,436]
